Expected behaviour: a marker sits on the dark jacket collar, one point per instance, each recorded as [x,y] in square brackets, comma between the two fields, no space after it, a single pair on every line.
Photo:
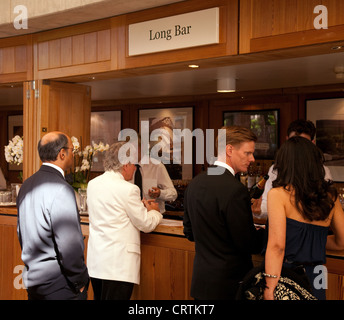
[45,168]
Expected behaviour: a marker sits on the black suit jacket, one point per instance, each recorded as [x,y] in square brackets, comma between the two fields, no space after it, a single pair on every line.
[50,234]
[218,218]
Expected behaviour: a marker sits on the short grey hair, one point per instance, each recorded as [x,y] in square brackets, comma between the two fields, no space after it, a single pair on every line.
[116,157]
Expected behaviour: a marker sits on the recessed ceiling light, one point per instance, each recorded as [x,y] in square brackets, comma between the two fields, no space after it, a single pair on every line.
[226,85]
[337,48]
[193,66]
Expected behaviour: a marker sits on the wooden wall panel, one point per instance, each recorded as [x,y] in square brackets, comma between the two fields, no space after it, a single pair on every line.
[67,108]
[32,119]
[276,24]
[16,59]
[76,50]
[336,283]
[166,268]
[8,60]
[10,258]
[104,45]
[53,106]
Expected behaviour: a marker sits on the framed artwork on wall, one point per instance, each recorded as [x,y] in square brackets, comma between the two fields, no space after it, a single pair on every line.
[264,123]
[328,118]
[169,119]
[105,127]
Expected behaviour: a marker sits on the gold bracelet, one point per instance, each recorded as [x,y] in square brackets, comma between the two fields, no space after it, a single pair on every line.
[269,275]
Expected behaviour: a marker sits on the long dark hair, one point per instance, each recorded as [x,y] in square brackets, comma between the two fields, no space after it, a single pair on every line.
[299,164]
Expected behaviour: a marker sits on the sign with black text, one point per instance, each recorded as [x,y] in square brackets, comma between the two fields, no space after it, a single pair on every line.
[181,31]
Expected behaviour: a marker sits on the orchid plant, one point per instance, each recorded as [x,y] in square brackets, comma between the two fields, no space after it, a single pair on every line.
[14,152]
[83,162]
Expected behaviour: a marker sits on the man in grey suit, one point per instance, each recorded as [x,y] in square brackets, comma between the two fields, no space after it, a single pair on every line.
[49,227]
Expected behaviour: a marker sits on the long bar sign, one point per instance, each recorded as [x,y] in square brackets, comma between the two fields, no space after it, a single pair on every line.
[181,31]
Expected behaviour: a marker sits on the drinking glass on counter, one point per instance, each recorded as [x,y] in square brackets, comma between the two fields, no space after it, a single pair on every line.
[83,200]
[15,187]
[5,196]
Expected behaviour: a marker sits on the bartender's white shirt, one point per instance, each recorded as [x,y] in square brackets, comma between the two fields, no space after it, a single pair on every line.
[156,175]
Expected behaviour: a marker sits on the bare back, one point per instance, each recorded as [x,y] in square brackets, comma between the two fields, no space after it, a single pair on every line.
[288,200]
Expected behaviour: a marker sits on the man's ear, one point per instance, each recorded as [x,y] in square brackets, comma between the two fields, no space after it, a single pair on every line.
[229,150]
[125,167]
[61,155]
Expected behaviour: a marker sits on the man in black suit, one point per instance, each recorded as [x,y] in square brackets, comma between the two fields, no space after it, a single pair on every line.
[218,217]
[49,227]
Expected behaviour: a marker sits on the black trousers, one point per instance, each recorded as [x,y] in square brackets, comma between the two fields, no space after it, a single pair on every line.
[65,293]
[111,289]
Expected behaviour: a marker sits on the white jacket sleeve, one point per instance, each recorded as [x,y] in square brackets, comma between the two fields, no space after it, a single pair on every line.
[141,218]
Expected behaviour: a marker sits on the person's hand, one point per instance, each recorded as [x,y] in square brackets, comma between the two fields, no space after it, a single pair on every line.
[268,294]
[154,192]
[151,205]
[255,207]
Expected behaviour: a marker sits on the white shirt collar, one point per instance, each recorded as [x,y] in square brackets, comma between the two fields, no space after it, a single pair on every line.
[54,166]
[225,165]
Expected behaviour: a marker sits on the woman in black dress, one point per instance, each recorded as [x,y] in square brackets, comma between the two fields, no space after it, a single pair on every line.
[302,206]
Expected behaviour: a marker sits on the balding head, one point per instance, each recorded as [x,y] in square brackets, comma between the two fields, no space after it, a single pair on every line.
[51,144]
[50,137]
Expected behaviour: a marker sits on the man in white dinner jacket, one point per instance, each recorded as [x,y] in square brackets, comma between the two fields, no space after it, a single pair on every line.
[116,217]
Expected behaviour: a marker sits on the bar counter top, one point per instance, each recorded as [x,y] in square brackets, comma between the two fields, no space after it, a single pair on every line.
[166,227]
[11,210]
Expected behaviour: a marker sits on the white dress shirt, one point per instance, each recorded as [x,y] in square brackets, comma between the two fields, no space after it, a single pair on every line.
[156,175]
[225,165]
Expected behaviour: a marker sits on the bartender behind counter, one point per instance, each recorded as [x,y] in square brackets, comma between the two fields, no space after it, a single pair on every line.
[155,180]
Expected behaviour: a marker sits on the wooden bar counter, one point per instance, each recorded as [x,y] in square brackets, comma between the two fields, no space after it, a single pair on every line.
[166,262]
